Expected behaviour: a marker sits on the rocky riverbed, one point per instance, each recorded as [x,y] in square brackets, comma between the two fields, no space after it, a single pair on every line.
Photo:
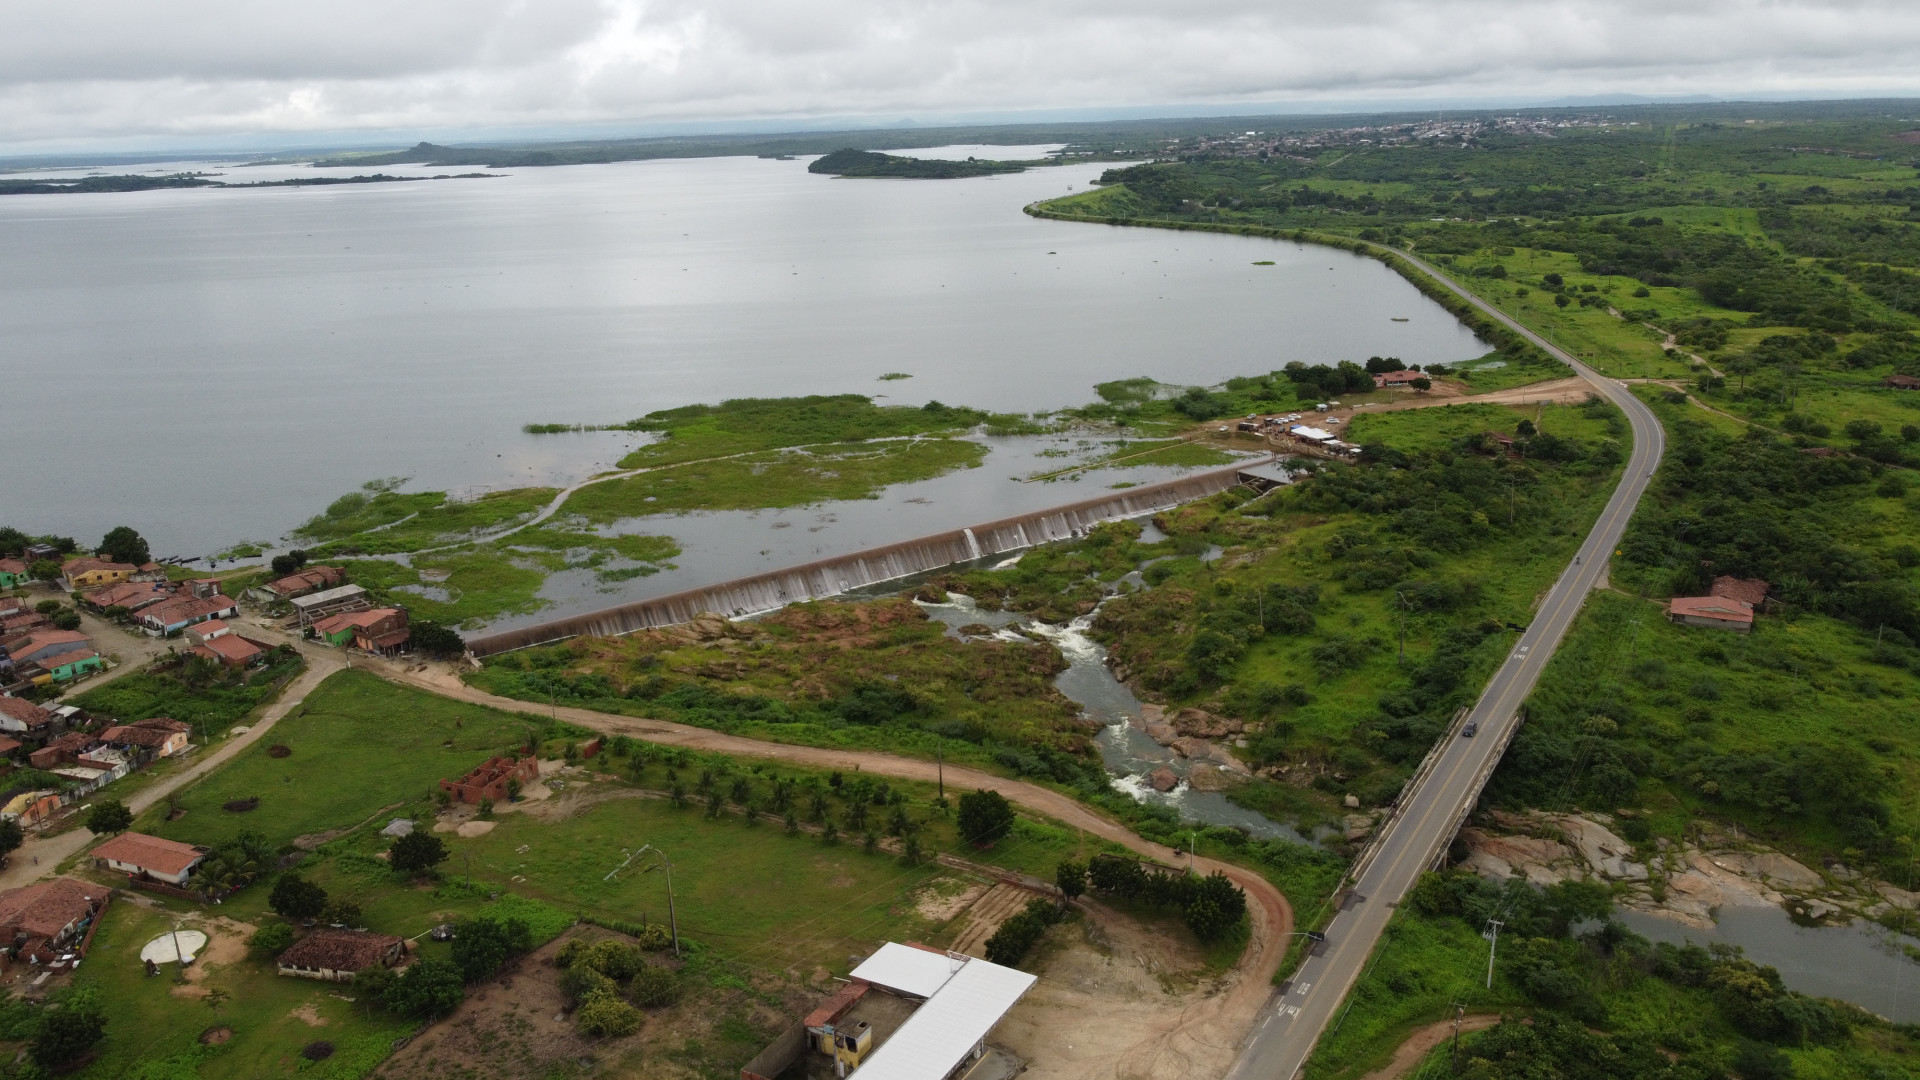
[1200,739]
[1686,883]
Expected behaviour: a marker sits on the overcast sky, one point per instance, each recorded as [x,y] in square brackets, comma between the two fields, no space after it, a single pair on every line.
[133,72]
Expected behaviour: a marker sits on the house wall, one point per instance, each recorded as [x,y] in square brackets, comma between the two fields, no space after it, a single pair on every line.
[131,868]
[1714,624]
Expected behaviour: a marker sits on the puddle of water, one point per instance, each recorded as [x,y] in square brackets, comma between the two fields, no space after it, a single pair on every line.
[1860,963]
[1125,749]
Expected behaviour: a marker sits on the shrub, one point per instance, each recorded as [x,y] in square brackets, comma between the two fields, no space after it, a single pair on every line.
[606,1016]
[615,959]
[482,945]
[654,985]
[317,1050]
[271,939]
[66,1033]
[581,982]
[1018,935]
[427,988]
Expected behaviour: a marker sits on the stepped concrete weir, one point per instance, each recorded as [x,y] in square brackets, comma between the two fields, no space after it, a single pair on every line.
[761,593]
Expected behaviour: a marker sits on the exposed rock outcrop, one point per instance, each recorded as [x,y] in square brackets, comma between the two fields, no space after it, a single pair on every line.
[1684,883]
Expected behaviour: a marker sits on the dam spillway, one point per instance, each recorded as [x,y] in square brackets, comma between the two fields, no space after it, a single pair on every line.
[759,593]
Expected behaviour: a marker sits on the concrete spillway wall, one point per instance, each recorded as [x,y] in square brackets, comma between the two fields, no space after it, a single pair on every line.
[831,577]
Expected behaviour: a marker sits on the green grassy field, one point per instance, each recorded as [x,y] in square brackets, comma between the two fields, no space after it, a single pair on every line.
[819,473]
[153,1032]
[358,744]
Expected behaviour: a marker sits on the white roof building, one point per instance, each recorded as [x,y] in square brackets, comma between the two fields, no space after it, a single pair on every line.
[908,971]
[1313,434]
[951,1027]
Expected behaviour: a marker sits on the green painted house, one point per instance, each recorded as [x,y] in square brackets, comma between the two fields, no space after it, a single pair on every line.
[12,572]
[69,666]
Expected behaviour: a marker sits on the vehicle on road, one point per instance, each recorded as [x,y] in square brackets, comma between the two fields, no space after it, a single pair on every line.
[1472,729]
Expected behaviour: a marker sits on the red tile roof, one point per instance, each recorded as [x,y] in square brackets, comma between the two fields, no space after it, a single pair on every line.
[129,594]
[1751,591]
[150,853]
[1711,607]
[1392,378]
[137,736]
[12,566]
[8,746]
[60,660]
[45,909]
[25,711]
[185,609]
[227,647]
[840,1002]
[339,950]
[161,723]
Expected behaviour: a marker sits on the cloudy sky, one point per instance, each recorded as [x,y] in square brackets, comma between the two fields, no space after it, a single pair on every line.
[136,73]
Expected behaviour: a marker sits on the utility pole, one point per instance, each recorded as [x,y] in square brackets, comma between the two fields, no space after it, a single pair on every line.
[666,864]
[940,768]
[1458,1011]
[1193,841]
[1493,937]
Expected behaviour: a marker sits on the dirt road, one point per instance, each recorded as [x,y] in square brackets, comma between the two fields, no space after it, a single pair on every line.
[1422,1042]
[38,857]
[1207,1035]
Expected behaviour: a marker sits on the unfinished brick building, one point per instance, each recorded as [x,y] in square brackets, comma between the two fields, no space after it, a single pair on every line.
[489,781]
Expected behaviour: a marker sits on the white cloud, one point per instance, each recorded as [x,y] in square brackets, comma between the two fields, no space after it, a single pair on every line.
[119,69]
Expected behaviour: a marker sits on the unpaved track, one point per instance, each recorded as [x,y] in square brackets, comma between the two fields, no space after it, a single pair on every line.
[1421,1043]
[1205,1037]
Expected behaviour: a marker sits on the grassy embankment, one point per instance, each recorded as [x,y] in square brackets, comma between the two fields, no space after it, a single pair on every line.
[765,908]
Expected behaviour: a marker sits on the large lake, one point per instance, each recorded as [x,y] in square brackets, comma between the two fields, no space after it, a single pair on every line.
[213,366]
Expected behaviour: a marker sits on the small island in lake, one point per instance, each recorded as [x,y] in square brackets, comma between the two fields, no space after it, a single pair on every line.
[850,162]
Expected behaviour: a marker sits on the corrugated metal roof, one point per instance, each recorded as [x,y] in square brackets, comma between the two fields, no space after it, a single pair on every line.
[1305,432]
[941,1033]
[907,970]
[1269,471]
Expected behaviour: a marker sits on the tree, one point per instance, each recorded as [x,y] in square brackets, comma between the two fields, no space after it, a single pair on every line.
[1422,384]
[111,816]
[66,1033]
[288,563]
[10,837]
[1214,906]
[1071,877]
[417,853]
[481,946]
[67,619]
[13,541]
[435,640]
[294,897]
[44,570]
[124,545]
[426,988]
[271,939]
[985,817]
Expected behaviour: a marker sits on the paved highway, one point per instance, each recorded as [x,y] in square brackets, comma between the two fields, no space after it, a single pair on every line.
[1430,813]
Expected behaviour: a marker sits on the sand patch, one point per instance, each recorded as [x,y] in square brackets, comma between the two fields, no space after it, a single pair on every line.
[309,1014]
[944,898]
[475,828]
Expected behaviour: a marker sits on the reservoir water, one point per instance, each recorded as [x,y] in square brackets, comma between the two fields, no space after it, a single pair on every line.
[213,366]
